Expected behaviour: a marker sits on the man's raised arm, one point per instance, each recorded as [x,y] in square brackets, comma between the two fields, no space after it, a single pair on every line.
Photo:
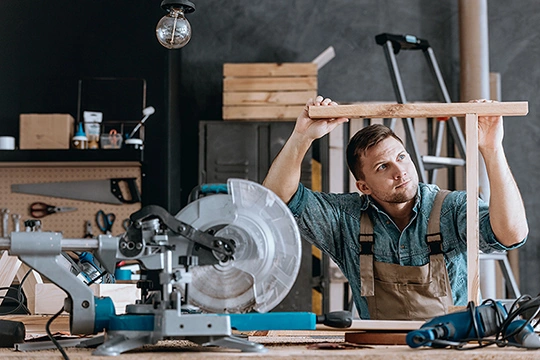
[506,209]
[284,174]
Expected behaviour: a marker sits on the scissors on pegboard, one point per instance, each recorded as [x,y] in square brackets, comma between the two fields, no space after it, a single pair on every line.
[39,209]
[105,221]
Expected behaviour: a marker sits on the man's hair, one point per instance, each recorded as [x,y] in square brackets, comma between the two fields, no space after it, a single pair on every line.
[361,142]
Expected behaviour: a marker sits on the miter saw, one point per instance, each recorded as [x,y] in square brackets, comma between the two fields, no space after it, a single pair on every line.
[237,252]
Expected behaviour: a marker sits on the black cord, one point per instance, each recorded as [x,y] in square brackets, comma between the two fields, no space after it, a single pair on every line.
[97,278]
[523,305]
[20,296]
[49,334]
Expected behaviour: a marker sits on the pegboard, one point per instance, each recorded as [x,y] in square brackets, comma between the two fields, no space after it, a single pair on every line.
[70,224]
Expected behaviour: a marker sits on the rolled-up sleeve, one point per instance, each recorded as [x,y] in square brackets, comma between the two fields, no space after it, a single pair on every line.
[488,242]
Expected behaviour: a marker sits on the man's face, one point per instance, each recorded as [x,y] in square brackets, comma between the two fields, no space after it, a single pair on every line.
[390,174]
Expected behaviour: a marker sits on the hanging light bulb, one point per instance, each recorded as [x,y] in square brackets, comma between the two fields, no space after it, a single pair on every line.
[173,31]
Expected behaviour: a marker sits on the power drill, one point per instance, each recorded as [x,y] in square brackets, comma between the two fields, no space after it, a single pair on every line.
[473,324]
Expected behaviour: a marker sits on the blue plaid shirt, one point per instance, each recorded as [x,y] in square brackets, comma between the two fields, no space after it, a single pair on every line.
[331,222]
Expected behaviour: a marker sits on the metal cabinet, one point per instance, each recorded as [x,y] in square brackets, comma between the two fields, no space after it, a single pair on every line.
[243,150]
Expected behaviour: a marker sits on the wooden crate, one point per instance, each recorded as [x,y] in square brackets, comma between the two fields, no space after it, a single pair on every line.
[267,91]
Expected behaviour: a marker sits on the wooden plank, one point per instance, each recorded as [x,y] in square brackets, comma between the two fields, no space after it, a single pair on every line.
[9,265]
[324,57]
[261,112]
[473,275]
[269,69]
[270,83]
[262,98]
[382,337]
[418,110]
[35,324]
[378,325]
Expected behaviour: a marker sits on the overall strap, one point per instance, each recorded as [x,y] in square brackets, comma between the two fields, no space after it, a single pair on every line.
[367,286]
[434,237]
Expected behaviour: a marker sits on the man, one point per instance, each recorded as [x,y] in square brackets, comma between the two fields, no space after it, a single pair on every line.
[384,242]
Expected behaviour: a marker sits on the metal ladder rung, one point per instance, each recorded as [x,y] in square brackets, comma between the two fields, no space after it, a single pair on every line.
[436,162]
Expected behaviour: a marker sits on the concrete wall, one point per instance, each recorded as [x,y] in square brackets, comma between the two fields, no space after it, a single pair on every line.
[297,31]
[47,47]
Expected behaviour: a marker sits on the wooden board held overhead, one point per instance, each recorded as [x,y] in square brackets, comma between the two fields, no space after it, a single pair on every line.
[419,110]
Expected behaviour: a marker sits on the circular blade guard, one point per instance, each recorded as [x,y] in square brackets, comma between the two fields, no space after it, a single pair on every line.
[268,249]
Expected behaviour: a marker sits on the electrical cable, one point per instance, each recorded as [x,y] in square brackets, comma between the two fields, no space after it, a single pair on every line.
[20,296]
[49,334]
[521,306]
[98,277]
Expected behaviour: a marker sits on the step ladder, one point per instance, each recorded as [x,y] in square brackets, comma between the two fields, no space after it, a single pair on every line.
[392,44]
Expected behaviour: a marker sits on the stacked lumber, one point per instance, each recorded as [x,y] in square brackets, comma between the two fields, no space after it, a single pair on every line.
[267,91]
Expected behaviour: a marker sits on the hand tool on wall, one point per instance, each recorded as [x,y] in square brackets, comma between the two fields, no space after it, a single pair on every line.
[5,222]
[105,221]
[32,225]
[105,191]
[39,210]
[88,232]
[16,222]
[126,223]
[146,112]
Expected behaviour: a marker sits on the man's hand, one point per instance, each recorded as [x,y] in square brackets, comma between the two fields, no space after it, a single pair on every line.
[284,174]
[315,129]
[490,130]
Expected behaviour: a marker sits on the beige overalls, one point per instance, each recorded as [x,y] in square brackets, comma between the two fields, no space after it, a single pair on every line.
[396,292]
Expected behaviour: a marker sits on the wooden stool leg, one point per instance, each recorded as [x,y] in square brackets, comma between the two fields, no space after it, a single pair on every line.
[473,275]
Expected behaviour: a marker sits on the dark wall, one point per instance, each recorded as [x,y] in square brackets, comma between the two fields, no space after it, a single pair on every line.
[48,46]
[297,31]
[515,53]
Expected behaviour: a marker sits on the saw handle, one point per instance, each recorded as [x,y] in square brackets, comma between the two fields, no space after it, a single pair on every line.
[134,194]
[337,319]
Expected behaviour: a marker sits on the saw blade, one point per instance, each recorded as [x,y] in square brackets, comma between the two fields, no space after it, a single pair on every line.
[268,249]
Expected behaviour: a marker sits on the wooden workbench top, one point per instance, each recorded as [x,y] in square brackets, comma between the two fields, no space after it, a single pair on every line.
[179,350]
[280,344]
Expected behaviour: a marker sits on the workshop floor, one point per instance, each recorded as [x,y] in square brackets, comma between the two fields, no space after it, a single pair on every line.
[290,345]
[290,352]
[289,348]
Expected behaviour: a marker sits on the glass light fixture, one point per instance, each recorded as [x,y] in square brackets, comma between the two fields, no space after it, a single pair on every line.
[173,31]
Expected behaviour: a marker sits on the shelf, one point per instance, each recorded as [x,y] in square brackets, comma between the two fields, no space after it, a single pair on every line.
[69,157]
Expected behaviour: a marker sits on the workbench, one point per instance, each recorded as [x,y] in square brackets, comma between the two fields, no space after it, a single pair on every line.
[185,350]
[318,344]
